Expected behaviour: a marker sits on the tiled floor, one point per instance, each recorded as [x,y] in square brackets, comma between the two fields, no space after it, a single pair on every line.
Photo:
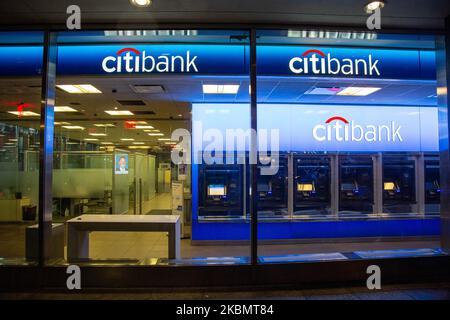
[135,245]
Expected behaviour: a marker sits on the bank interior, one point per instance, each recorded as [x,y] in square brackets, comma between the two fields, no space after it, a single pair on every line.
[321,204]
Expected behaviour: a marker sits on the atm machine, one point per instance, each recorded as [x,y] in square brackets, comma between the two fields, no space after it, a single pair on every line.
[399,189]
[355,185]
[221,191]
[273,190]
[432,185]
[312,178]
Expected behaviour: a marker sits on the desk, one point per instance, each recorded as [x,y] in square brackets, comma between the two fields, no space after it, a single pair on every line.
[78,230]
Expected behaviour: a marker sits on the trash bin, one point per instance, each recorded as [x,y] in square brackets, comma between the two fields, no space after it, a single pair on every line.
[29,213]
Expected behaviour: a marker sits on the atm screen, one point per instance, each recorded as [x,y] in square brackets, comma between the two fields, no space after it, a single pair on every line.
[216,190]
[347,187]
[389,186]
[305,187]
[263,187]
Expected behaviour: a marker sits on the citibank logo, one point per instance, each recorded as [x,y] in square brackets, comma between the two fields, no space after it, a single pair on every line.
[340,129]
[324,64]
[131,60]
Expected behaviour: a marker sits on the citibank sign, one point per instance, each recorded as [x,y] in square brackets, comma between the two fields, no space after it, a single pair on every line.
[340,129]
[315,62]
[131,60]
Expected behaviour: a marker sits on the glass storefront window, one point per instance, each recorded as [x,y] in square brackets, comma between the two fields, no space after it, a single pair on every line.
[348,144]
[20,90]
[357,120]
[125,110]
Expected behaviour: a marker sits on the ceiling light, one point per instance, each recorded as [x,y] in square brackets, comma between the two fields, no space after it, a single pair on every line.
[357,91]
[119,112]
[127,139]
[156,134]
[141,3]
[104,125]
[164,139]
[154,130]
[90,139]
[78,88]
[170,143]
[373,5]
[24,113]
[143,127]
[61,123]
[145,88]
[65,109]
[220,88]
[138,142]
[136,122]
[95,134]
[138,147]
[73,127]
[106,143]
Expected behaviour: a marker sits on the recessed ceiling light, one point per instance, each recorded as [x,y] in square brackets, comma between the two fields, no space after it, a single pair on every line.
[95,134]
[153,130]
[106,143]
[78,88]
[170,143]
[155,134]
[141,3]
[104,125]
[357,91]
[373,5]
[220,88]
[138,142]
[73,127]
[119,112]
[24,113]
[147,88]
[64,109]
[90,139]
[127,139]
[164,139]
[138,147]
[143,127]
[61,123]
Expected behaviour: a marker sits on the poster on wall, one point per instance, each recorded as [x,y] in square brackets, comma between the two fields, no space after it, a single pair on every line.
[121,163]
[177,197]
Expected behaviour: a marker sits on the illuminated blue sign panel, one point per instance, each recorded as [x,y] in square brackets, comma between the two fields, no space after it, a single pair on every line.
[345,62]
[21,60]
[160,59]
[196,59]
[323,128]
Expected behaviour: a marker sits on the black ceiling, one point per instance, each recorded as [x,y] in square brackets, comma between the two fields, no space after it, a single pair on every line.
[398,14]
